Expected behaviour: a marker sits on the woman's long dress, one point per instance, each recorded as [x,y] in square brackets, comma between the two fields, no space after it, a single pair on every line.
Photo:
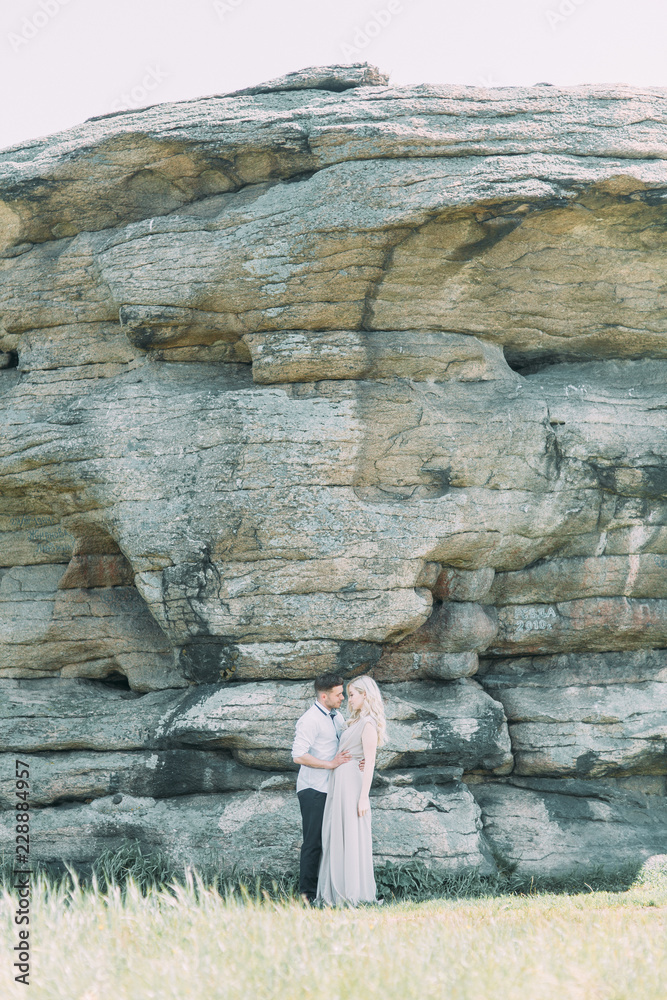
[346,868]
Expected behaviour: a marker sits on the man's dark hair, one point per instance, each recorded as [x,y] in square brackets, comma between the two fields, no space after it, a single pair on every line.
[327,681]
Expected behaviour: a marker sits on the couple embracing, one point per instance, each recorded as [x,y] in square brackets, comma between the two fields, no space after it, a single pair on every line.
[337,761]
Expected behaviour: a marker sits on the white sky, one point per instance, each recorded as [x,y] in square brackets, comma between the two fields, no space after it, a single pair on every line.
[84,55]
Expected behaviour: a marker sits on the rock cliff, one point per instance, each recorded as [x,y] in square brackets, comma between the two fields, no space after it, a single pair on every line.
[335,375]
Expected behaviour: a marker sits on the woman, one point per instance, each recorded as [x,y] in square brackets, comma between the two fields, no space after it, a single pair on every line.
[346,868]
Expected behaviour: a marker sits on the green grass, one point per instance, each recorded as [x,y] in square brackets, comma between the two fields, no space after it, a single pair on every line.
[412,881]
[130,939]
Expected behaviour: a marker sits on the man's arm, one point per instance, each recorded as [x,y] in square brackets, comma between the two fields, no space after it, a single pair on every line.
[309,761]
[301,750]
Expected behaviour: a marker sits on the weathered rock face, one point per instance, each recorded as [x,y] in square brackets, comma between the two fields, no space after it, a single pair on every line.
[584,715]
[455,725]
[331,375]
[547,826]
[440,823]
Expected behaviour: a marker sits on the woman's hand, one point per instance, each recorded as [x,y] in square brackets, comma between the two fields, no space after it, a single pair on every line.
[364,805]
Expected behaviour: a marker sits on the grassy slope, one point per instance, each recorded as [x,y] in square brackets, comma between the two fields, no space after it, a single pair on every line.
[191,942]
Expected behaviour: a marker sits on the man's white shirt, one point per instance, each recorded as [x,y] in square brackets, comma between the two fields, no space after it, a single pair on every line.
[317,733]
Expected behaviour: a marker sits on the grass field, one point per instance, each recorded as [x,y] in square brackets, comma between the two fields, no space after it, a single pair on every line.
[189,941]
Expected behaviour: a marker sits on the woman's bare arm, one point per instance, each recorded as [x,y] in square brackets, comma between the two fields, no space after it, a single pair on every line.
[369,741]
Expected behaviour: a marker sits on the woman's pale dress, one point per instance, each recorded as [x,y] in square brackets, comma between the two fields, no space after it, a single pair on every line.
[346,869]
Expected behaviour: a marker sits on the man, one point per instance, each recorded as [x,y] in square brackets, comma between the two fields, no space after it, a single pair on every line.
[316,750]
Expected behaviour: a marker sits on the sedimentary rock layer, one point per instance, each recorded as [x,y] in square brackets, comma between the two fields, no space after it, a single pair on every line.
[437,822]
[550,826]
[453,725]
[585,716]
[84,775]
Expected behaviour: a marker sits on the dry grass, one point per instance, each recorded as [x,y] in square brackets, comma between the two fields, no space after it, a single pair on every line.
[190,942]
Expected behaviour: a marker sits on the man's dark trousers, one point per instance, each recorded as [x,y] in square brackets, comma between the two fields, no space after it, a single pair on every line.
[312,810]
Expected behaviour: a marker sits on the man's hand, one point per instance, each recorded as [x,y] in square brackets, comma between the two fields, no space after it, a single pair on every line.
[340,758]
[362,762]
[364,805]
[307,760]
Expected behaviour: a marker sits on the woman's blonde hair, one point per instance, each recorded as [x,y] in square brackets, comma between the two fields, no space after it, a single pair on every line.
[373,704]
